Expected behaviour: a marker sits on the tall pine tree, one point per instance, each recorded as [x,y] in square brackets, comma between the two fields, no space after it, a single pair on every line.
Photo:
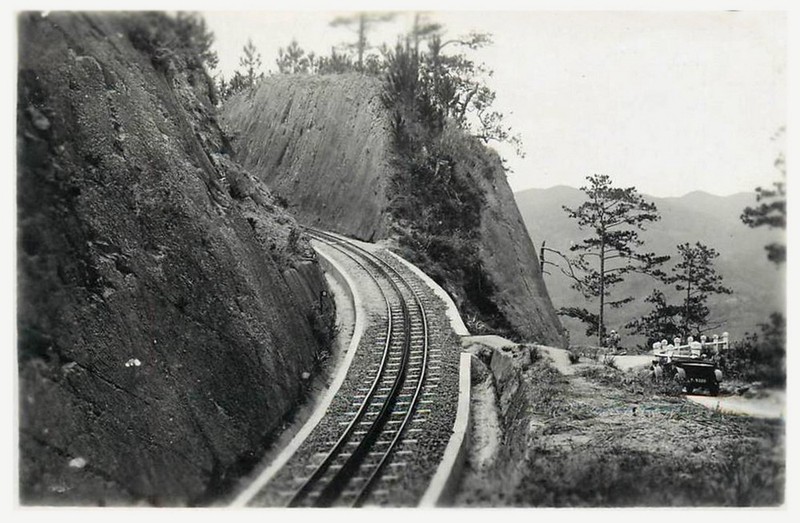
[613,216]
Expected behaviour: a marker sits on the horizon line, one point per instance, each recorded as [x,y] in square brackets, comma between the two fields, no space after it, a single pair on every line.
[516,191]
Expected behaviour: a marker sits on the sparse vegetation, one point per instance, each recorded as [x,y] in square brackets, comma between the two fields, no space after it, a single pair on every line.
[428,66]
[609,360]
[323,325]
[435,200]
[635,381]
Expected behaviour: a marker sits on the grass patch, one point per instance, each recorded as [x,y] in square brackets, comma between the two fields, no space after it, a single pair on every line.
[576,474]
[635,381]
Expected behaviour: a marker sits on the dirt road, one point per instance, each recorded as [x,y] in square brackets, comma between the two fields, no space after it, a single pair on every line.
[773,405]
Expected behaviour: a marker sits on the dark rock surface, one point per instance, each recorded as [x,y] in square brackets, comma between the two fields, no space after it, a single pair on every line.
[323,144]
[166,306]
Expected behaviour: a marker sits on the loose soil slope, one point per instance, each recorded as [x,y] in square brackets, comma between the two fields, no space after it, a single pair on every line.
[166,311]
[323,144]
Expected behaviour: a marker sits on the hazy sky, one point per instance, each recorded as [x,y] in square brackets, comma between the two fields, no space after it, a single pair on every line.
[668,102]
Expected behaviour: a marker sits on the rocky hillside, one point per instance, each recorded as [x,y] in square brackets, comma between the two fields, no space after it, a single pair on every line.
[324,144]
[167,309]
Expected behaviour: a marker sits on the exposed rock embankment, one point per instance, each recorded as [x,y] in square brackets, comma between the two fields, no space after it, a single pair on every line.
[167,309]
[324,144]
[321,143]
[509,257]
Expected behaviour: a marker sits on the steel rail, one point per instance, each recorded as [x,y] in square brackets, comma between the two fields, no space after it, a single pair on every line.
[366,488]
[335,487]
[332,490]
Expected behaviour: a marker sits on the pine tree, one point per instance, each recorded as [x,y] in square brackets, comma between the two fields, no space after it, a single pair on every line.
[361,23]
[613,216]
[695,276]
[250,62]
[293,59]
[695,279]
[771,212]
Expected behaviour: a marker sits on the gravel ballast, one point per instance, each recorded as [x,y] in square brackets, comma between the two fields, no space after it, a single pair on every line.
[409,469]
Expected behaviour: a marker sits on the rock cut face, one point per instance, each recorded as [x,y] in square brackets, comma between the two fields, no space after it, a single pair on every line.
[323,143]
[164,323]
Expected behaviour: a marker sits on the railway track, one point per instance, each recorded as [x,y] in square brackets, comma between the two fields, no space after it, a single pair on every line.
[375,432]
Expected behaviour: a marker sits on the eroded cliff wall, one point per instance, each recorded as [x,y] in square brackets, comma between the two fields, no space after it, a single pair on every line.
[166,307]
[507,253]
[321,143]
[325,145]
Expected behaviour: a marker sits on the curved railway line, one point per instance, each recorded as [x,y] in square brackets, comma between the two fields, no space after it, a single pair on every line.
[357,461]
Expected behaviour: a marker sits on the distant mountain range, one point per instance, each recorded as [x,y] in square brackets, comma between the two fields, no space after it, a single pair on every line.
[758,285]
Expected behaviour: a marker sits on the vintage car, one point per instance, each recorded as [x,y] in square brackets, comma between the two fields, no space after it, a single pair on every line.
[691,365]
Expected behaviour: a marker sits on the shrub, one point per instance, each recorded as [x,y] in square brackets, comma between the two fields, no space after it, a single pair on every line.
[641,381]
[610,361]
[322,319]
[536,354]
[173,42]
[240,184]
[759,356]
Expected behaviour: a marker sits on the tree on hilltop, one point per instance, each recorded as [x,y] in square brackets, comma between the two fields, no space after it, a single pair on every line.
[361,24]
[246,76]
[250,62]
[293,59]
[422,29]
